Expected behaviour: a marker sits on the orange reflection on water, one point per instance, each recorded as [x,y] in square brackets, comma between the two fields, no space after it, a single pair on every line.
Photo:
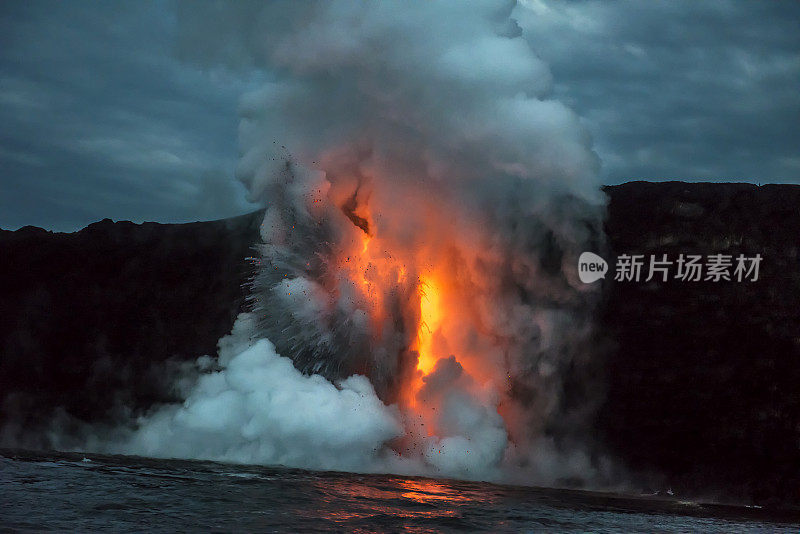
[354,504]
[430,492]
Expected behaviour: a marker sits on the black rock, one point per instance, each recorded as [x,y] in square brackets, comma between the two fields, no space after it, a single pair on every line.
[702,385]
[99,321]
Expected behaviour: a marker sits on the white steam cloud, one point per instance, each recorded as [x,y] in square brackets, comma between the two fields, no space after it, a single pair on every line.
[399,147]
[259,409]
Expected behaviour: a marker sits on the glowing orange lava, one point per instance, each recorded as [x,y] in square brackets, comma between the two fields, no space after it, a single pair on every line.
[430,320]
[414,272]
[431,315]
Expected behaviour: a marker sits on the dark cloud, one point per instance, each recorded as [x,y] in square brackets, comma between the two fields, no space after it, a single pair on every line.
[100,117]
[686,90]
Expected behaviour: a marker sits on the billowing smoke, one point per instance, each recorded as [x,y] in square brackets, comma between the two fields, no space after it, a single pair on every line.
[416,306]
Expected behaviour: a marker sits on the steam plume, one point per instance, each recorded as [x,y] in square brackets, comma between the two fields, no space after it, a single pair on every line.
[426,204]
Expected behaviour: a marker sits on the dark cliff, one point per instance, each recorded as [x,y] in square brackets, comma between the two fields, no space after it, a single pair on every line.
[99,321]
[701,381]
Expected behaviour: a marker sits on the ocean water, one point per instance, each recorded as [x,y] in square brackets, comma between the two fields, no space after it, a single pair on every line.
[70,492]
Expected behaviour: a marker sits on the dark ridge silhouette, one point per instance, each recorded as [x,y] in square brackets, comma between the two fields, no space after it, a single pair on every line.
[701,380]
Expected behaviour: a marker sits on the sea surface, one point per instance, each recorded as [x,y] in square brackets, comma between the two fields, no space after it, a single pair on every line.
[70,492]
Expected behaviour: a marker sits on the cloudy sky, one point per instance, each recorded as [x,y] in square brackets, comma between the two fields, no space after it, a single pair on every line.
[100,117]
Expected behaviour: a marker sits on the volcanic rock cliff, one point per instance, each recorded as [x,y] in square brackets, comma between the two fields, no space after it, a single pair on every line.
[701,378]
[98,321]
[702,383]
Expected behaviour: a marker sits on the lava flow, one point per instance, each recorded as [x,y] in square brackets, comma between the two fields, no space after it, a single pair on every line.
[430,320]
[429,286]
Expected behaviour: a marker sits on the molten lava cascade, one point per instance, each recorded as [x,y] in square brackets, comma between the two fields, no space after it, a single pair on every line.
[429,301]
